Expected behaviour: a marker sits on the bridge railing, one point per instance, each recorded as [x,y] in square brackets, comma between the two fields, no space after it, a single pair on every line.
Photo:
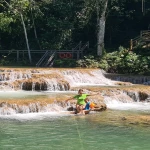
[41,59]
[50,60]
[143,37]
[76,52]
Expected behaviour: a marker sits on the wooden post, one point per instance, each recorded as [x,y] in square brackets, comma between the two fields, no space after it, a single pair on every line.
[78,51]
[78,54]
[72,51]
[23,54]
[131,45]
[17,55]
[81,53]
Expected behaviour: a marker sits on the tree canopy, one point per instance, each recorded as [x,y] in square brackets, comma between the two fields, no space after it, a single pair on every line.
[61,24]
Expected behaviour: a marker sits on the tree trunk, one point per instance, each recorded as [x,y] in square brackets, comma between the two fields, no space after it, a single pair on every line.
[35,33]
[26,37]
[101,19]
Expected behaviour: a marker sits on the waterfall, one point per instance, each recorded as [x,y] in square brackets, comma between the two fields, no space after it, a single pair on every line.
[51,79]
[48,80]
[93,77]
[10,109]
[127,100]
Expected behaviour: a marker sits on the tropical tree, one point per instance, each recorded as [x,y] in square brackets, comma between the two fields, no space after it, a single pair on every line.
[15,9]
[101,7]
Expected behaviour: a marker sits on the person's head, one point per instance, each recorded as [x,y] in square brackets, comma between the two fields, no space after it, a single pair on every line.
[86,100]
[80,91]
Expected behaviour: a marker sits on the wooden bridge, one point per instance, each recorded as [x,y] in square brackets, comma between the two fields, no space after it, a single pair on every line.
[142,40]
[47,57]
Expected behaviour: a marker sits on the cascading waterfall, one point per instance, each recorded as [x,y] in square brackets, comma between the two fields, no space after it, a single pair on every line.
[52,80]
[126,100]
[10,109]
[93,77]
[115,99]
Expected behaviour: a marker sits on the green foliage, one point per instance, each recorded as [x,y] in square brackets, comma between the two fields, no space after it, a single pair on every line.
[4,61]
[88,62]
[121,61]
[4,22]
[124,61]
[143,50]
[63,63]
[62,24]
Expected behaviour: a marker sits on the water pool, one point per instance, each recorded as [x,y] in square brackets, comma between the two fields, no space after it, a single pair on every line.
[105,130]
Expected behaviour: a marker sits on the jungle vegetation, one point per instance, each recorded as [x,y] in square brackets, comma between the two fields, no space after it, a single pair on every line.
[108,25]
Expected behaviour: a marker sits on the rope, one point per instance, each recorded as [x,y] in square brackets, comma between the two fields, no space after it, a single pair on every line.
[81,142]
[80,139]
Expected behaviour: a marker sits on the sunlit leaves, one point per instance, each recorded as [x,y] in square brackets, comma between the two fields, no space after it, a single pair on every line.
[124,61]
[5,22]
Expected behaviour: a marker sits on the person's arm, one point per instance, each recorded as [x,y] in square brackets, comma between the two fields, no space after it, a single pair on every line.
[93,94]
[71,98]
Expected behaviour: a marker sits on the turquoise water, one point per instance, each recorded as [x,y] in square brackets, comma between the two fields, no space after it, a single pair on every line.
[100,131]
[60,131]
[14,95]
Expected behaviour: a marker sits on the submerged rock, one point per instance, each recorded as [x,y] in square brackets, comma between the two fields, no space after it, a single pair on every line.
[4,104]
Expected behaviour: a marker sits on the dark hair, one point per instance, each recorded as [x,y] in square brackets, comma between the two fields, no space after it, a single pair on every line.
[80,90]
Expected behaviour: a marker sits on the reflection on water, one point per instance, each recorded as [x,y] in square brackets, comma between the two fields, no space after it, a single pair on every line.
[105,130]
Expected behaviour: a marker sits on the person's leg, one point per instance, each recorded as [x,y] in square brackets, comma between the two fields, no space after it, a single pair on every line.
[82,109]
[77,108]
[86,111]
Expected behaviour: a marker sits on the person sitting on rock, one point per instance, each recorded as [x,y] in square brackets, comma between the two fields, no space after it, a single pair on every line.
[80,105]
[89,105]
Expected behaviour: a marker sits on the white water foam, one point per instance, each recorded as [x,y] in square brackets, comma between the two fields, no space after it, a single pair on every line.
[117,105]
[92,78]
[68,78]
[34,116]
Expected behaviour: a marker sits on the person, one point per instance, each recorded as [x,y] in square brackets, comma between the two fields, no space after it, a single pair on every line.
[89,105]
[81,97]
[93,106]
